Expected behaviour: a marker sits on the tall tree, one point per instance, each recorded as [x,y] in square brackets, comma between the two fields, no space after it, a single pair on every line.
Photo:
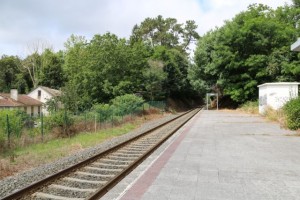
[52,74]
[165,32]
[175,65]
[296,3]
[251,49]
[105,67]
[12,75]
[154,78]
[35,61]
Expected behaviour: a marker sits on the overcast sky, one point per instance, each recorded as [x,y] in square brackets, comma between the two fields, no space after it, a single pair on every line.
[23,22]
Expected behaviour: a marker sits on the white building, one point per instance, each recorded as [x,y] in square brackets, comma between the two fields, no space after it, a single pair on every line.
[13,100]
[275,95]
[296,45]
[44,94]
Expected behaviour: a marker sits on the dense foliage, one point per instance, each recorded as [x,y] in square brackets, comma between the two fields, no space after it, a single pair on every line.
[105,67]
[11,123]
[292,112]
[251,49]
[119,106]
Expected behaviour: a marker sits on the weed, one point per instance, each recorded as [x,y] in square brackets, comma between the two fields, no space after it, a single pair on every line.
[249,107]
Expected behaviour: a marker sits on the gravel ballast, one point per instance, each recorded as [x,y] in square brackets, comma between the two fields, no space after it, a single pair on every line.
[14,183]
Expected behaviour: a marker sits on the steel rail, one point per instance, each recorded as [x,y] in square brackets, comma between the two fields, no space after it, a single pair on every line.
[48,180]
[102,191]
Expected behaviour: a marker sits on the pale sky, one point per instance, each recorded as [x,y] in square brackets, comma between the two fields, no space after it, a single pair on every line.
[23,22]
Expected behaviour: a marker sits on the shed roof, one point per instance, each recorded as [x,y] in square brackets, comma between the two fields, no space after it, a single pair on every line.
[279,83]
[296,45]
[51,91]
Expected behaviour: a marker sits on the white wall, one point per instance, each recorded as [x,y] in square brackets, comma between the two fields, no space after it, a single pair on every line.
[45,96]
[35,110]
[275,95]
[27,109]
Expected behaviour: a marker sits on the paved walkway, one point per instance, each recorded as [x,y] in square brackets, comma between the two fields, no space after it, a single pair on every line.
[223,155]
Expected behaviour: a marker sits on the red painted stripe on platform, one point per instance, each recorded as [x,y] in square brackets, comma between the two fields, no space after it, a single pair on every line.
[145,181]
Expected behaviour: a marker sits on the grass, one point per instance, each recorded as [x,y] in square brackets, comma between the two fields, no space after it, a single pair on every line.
[275,115]
[270,114]
[62,147]
[249,107]
[37,154]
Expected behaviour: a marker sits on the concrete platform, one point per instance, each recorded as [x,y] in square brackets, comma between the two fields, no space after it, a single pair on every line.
[219,155]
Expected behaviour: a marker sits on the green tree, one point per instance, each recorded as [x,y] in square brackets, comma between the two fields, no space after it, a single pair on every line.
[107,67]
[154,78]
[52,74]
[251,49]
[69,99]
[12,75]
[165,32]
[296,3]
[175,65]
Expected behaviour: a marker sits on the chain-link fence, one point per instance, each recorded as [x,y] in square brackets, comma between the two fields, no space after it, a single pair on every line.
[18,129]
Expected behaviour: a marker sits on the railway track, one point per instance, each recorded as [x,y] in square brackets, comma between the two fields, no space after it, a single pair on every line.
[93,177]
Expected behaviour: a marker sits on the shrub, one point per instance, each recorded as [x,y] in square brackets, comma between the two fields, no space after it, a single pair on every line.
[292,112]
[104,111]
[60,119]
[126,104]
[119,106]
[16,119]
[250,107]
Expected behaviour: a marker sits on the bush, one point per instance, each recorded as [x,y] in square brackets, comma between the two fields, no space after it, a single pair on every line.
[16,119]
[126,104]
[119,106]
[60,119]
[250,107]
[104,111]
[292,112]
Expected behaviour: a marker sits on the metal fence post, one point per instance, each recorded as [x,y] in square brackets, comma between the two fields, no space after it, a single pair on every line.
[65,120]
[143,110]
[99,120]
[95,122]
[85,121]
[8,131]
[112,119]
[42,126]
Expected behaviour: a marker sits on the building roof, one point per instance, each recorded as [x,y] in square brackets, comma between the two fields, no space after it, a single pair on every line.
[23,100]
[279,83]
[296,45]
[51,91]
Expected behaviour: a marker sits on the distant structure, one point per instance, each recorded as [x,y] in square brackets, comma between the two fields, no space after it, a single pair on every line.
[14,100]
[296,46]
[275,95]
[44,94]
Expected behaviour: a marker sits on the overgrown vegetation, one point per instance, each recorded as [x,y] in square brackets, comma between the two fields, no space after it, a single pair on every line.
[288,116]
[250,107]
[251,49]
[17,129]
[153,63]
[41,153]
[11,123]
[292,112]
[276,116]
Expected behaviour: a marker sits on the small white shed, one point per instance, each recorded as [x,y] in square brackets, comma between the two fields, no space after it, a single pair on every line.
[296,45]
[275,95]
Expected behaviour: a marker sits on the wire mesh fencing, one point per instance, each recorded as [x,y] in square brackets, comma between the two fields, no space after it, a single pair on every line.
[18,129]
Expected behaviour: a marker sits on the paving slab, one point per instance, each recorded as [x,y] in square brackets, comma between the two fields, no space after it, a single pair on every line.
[219,155]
